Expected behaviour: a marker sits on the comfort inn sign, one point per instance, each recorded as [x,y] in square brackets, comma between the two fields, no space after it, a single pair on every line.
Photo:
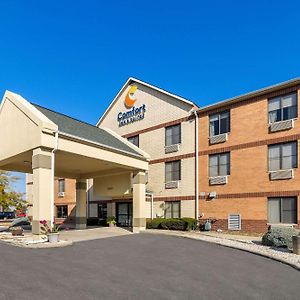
[134,113]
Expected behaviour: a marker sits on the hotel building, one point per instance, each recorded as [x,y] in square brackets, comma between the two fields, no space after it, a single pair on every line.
[238,157]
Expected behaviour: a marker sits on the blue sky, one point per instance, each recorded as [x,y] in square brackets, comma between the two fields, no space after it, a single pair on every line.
[73,56]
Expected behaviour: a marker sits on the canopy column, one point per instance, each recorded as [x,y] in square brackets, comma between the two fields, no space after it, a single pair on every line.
[139,202]
[42,188]
[81,198]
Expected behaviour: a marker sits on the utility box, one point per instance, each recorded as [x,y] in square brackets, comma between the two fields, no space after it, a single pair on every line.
[296,244]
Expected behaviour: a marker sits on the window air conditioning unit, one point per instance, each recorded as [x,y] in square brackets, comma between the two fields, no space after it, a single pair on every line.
[220,138]
[61,194]
[172,184]
[218,180]
[172,148]
[282,174]
[281,125]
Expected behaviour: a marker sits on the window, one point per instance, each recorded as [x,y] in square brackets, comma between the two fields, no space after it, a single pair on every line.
[219,164]
[172,209]
[173,135]
[62,211]
[173,171]
[219,123]
[283,108]
[61,185]
[134,140]
[283,156]
[282,210]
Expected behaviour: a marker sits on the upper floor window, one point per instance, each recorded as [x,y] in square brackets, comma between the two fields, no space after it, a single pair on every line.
[173,135]
[219,123]
[61,185]
[173,171]
[134,140]
[283,108]
[283,156]
[219,164]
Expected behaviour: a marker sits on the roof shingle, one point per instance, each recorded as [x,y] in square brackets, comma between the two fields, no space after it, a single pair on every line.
[85,131]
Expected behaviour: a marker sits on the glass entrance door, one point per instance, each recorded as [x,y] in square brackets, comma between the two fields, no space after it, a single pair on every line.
[124,214]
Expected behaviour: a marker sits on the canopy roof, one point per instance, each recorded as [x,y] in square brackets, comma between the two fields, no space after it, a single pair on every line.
[81,150]
[83,130]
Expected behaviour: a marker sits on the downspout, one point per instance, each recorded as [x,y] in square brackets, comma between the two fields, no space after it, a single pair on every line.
[196,166]
[52,175]
[151,194]
[152,206]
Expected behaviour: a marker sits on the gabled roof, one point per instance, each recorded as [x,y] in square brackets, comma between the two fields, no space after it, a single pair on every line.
[84,131]
[131,80]
[243,97]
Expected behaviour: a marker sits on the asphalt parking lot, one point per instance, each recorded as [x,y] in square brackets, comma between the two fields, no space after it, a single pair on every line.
[143,266]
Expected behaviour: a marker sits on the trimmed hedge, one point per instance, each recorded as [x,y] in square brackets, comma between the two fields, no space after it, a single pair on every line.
[191,223]
[155,223]
[172,224]
[279,237]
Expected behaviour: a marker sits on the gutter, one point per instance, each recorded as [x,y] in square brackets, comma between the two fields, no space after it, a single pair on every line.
[74,137]
[246,96]
[196,166]
[52,175]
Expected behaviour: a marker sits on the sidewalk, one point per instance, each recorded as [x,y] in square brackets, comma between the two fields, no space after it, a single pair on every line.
[245,243]
[93,233]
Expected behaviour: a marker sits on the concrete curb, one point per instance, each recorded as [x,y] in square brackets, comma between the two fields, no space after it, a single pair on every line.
[45,245]
[219,242]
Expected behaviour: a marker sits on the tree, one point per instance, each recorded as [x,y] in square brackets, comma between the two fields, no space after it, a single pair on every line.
[9,197]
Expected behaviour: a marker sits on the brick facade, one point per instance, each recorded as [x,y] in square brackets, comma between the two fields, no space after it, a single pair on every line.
[249,186]
[69,199]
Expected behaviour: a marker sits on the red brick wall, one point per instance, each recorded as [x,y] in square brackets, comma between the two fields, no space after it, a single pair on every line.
[248,184]
[69,199]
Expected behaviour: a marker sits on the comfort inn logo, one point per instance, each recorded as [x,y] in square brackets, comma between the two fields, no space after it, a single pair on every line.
[130,97]
[134,113]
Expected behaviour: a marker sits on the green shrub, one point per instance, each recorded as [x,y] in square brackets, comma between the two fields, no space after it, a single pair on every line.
[155,223]
[279,237]
[174,224]
[191,223]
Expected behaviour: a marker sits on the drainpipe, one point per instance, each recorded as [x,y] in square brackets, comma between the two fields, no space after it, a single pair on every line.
[152,206]
[53,172]
[151,194]
[196,166]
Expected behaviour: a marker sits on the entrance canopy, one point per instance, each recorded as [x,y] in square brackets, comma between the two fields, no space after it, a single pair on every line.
[81,150]
[49,144]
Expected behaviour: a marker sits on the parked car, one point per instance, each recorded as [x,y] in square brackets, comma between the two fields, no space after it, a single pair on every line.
[21,222]
[21,215]
[7,215]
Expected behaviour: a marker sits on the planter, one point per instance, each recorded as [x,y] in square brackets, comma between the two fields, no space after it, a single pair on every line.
[53,237]
[296,244]
[112,225]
